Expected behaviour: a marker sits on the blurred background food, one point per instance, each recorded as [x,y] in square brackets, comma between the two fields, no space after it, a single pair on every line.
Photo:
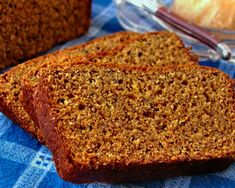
[213,14]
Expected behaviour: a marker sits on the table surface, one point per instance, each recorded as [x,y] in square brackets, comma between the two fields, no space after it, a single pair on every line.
[25,163]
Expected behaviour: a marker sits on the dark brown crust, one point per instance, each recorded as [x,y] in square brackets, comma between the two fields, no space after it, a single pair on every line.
[38,26]
[70,171]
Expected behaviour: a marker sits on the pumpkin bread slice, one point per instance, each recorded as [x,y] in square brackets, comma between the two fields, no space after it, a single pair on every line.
[116,123]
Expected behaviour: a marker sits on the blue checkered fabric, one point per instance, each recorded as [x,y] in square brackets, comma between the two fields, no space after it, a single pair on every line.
[25,163]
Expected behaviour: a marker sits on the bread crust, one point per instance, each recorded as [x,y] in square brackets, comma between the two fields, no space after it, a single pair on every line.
[69,170]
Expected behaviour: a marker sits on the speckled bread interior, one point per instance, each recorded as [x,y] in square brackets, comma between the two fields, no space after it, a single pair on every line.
[115,123]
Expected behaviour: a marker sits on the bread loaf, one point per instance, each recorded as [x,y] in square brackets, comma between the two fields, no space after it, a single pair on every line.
[32,26]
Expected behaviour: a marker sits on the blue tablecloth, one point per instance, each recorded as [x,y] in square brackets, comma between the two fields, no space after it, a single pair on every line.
[25,163]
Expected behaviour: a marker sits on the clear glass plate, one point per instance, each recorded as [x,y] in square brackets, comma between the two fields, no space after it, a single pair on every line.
[135,19]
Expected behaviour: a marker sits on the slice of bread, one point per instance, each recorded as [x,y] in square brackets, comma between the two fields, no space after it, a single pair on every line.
[150,49]
[10,81]
[115,123]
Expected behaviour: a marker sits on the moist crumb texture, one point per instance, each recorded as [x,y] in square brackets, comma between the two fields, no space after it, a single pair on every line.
[110,119]
[30,27]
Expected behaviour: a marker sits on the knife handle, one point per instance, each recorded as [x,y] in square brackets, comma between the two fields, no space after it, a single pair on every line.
[194,31]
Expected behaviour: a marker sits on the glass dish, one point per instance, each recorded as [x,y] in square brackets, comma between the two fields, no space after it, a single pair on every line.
[135,19]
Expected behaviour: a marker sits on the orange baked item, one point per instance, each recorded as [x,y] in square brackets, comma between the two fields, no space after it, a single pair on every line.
[116,123]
